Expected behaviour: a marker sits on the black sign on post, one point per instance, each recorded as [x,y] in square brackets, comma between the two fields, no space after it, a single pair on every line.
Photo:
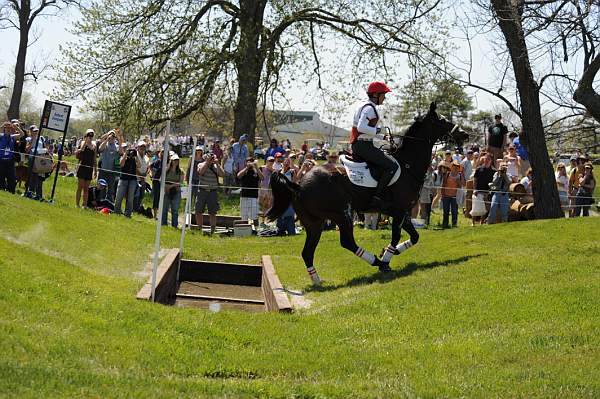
[56,117]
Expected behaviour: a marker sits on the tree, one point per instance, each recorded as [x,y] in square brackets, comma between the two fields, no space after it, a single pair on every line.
[452,100]
[21,15]
[509,16]
[178,57]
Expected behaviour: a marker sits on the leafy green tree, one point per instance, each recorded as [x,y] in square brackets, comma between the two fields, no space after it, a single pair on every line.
[21,15]
[169,59]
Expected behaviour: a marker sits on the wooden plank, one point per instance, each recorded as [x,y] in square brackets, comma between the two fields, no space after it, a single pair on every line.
[165,279]
[218,298]
[276,299]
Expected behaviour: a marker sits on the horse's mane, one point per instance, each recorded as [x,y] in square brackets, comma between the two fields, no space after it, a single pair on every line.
[413,128]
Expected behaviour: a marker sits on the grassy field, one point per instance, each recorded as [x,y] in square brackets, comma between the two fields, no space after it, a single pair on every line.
[494,311]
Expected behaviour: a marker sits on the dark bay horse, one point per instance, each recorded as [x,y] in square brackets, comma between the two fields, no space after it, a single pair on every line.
[322,195]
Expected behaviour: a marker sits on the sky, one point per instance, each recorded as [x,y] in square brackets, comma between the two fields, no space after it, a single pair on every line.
[54,32]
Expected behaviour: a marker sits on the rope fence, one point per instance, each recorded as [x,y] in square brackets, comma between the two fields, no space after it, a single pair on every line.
[222,186]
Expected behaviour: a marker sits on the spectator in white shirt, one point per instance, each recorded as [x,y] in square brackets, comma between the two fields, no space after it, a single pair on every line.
[562,184]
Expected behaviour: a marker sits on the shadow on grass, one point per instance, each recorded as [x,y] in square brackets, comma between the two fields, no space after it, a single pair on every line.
[379,277]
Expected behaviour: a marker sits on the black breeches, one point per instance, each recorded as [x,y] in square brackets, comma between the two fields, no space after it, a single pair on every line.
[371,154]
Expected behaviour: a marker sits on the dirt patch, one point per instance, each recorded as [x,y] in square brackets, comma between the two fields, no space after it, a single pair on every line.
[298,300]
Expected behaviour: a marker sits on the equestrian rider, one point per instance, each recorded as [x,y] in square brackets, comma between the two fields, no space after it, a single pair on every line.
[364,129]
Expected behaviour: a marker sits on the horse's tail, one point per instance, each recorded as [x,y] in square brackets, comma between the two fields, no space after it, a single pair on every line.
[284,192]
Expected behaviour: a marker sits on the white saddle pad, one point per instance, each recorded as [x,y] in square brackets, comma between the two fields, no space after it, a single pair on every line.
[359,173]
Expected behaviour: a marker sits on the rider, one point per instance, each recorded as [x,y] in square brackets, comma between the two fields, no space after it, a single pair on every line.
[364,129]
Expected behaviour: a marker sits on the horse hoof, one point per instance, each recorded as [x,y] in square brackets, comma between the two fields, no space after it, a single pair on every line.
[385,268]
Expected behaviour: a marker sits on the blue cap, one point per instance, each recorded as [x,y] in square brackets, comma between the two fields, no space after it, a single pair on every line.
[102,182]
[244,137]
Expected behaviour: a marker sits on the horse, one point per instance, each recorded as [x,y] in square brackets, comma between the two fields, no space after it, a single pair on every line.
[322,195]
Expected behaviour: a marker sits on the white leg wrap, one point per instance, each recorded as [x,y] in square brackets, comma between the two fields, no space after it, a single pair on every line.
[403,246]
[365,255]
[388,254]
[314,276]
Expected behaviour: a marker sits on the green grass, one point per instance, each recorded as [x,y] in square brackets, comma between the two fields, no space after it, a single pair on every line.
[495,311]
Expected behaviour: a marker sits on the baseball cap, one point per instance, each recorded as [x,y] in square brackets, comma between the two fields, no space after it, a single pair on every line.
[244,137]
[141,143]
[102,182]
[270,158]
[34,128]
[90,131]
[278,155]
[498,116]
[199,148]
[174,157]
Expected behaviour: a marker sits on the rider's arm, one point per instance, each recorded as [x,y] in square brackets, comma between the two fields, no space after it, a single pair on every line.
[366,115]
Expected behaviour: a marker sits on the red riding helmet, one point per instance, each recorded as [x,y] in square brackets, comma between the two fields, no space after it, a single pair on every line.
[377,87]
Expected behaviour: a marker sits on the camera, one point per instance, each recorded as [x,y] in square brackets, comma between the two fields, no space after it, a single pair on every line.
[131,153]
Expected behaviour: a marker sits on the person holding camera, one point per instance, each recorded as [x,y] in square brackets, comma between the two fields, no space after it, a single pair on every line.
[209,172]
[109,161]
[130,170]
[86,170]
[250,177]
[499,186]
[173,180]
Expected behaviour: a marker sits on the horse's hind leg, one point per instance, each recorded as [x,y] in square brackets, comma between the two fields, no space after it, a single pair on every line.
[313,235]
[347,241]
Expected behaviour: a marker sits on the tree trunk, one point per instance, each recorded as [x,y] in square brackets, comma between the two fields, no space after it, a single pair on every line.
[545,193]
[15,100]
[585,93]
[249,67]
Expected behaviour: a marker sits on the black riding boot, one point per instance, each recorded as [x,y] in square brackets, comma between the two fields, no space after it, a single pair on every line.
[377,199]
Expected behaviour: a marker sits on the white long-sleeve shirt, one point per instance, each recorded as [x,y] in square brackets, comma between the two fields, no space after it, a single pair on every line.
[362,116]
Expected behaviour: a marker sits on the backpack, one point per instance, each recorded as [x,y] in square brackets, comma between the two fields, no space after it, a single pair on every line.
[43,164]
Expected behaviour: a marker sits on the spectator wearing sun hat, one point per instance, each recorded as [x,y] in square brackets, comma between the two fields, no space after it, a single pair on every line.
[451,183]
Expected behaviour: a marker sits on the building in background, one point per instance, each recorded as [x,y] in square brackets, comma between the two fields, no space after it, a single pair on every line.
[298,126]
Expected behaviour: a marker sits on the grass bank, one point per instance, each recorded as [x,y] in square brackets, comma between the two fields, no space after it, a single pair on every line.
[504,311]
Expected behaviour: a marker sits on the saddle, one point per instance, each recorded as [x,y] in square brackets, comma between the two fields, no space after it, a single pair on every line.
[363,174]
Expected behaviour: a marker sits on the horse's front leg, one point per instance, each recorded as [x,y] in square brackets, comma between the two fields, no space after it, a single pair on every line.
[413,234]
[396,248]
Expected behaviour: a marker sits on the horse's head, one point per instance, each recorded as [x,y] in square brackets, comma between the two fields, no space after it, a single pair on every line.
[433,127]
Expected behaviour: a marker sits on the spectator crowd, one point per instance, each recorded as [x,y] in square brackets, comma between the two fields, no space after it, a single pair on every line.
[477,182]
